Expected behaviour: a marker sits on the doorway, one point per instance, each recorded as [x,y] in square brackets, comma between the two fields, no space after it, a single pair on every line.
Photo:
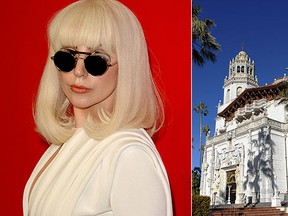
[231,187]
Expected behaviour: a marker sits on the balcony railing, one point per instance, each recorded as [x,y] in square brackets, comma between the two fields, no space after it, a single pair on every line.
[246,112]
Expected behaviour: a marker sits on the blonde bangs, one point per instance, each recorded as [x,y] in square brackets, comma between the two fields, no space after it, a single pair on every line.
[81,24]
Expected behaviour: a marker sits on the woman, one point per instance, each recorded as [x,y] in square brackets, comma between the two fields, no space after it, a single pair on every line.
[98,107]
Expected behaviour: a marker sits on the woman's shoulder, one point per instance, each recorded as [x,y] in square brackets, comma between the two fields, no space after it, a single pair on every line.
[130,142]
[131,133]
[132,146]
[131,139]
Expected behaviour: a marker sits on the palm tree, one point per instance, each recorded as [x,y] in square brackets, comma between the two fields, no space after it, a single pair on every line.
[201,108]
[206,130]
[203,43]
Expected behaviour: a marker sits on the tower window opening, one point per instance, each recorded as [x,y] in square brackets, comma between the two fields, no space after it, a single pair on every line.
[238,69]
[242,69]
[228,95]
[239,90]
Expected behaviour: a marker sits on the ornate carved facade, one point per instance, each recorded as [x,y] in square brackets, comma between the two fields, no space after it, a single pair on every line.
[247,156]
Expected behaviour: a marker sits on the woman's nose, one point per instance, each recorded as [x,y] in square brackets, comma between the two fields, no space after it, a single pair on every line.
[79,70]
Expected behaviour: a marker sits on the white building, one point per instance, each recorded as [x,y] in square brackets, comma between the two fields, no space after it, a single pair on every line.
[247,157]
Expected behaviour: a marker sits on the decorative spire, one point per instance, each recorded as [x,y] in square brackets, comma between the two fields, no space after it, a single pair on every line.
[242,67]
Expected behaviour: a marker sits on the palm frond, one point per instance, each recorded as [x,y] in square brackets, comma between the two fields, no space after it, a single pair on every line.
[204,44]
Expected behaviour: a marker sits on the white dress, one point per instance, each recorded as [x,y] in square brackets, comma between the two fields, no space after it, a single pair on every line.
[121,175]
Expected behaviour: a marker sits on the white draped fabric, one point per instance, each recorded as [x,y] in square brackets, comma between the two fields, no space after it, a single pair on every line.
[122,175]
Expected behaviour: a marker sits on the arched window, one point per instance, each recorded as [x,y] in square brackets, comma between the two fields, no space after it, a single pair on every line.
[238,69]
[239,90]
[228,96]
[242,69]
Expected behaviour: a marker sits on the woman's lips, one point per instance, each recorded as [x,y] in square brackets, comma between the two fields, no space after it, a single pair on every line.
[79,89]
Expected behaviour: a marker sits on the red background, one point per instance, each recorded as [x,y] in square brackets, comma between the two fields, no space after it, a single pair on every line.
[167,26]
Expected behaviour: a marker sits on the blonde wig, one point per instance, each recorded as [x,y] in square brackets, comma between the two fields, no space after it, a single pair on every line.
[111,25]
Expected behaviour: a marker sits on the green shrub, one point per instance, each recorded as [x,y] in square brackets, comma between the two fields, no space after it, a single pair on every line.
[200,205]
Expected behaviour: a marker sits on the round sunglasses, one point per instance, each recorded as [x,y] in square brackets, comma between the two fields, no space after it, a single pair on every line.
[96,63]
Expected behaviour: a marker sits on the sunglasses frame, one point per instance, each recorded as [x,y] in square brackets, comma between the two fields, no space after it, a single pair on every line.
[73,53]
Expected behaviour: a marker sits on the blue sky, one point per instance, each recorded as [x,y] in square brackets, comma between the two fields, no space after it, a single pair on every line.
[262,26]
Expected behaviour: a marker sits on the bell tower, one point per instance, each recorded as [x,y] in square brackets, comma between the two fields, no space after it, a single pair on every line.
[241,76]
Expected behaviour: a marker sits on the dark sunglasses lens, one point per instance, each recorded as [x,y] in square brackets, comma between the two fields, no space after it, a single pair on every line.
[96,65]
[64,61]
